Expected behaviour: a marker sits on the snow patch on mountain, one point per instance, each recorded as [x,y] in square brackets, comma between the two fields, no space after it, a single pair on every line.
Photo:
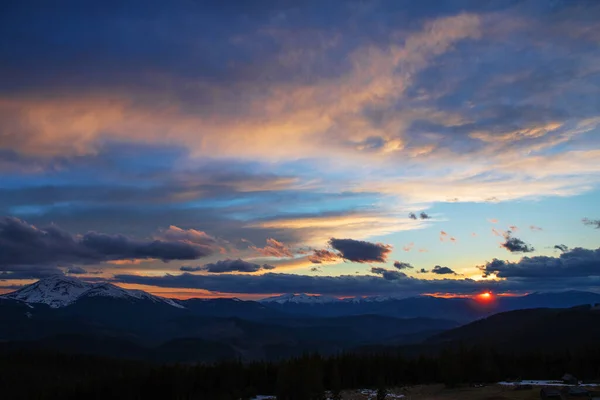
[113,291]
[300,299]
[303,298]
[55,291]
[60,291]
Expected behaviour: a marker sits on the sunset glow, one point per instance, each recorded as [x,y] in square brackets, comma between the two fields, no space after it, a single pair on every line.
[484,297]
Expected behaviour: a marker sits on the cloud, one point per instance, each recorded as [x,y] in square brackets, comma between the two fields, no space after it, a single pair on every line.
[314,228]
[76,270]
[192,236]
[574,263]
[274,248]
[422,215]
[445,237]
[442,270]
[193,126]
[345,285]
[228,265]
[23,246]
[422,271]
[561,247]
[535,228]
[387,274]
[408,247]
[516,245]
[497,232]
[402,265]
[361,251]
[592,222]
[189,268]
[320,256]
[576,268]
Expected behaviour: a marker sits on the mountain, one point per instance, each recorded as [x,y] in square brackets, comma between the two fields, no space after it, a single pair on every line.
[55,291]
[564,299]
[462,310]
[459,309]
[60,291]
[541,328]
[104,318]
[300,299]
[236,308]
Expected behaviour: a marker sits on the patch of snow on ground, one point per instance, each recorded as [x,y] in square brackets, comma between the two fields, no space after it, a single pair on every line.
[373,394]
[545,383]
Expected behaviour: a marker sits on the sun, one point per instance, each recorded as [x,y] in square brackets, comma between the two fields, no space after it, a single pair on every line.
[486,296]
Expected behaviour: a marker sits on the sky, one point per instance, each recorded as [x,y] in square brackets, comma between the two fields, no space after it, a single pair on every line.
[346,148]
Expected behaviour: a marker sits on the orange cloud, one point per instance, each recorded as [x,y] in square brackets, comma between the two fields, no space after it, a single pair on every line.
[273,248]
[408,247]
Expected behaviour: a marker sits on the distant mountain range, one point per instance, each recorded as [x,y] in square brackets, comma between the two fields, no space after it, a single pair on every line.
[68,314]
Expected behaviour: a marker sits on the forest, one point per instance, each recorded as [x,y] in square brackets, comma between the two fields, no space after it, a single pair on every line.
[48,375]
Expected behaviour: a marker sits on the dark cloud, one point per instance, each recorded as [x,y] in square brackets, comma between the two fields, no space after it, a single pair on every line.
[561,247]
[422,271]
[592,222]
[25,248]
[76,270]
[360,251]
[576,268]
[439,270]
[516,245]
[402,265]
[228,266]
[388,274]
[320,256]
[189,268]
[348,285]
[17,272]
[424,215]
[574,263]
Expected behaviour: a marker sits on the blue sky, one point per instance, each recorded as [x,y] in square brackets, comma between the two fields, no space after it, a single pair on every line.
[262,131]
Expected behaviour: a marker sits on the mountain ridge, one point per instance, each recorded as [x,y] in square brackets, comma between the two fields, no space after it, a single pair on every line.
[59,291]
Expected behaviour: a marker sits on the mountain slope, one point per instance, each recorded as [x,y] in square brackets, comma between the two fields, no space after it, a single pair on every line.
[55,291]
[60,291]
[301,298]
[529,329]
[463,310]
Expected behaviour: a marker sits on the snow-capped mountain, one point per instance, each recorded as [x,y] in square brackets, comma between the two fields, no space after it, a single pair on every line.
[371,299]
[300,299]
[303,298]
[55,291]
[60,291]
[110,290]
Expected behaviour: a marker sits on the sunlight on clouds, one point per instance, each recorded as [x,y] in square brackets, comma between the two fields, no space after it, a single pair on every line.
[358,226]
[296,115]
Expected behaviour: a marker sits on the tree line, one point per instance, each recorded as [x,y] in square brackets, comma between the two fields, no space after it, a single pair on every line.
[45,375]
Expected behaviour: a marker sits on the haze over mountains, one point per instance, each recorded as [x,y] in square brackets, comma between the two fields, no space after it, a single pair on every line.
[72,315]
